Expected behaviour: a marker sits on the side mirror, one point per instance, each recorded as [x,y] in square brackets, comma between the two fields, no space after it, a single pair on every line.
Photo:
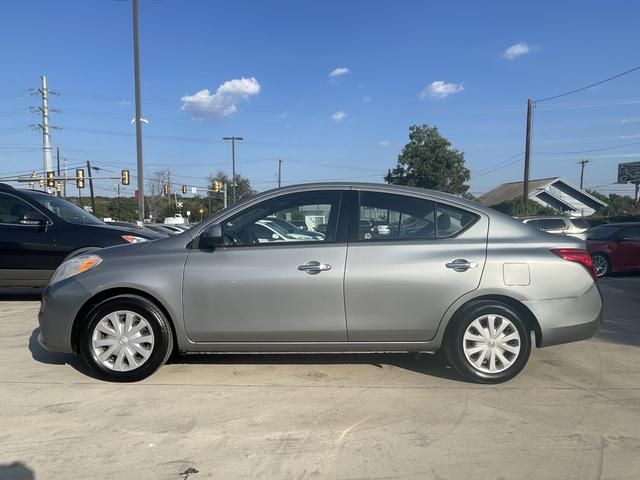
[37,221]
[211,237]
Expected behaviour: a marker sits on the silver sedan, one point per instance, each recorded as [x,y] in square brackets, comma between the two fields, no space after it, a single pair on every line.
[446,274]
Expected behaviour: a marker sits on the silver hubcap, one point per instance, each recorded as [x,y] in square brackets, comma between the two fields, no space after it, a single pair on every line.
[491,343]
[599,264]
[122,341]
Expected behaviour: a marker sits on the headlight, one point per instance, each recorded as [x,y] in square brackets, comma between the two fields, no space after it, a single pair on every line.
[74,266]
[134,239]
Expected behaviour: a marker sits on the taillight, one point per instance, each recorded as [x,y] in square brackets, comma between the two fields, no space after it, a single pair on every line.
[577,255]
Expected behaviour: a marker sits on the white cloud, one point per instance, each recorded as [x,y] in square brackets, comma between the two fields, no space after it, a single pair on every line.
[283,115]
[124,102]
[222,103]
[366,99]
[338,116]
[440,89]
[384,143]
[338,72]
[517,50]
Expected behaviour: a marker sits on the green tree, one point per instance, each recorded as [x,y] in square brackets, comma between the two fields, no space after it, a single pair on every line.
[616,204]
[515,208]
[428,161]
[216,202]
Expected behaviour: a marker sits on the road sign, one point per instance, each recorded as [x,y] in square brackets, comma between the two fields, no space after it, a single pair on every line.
[629,172]
[179,204]
[194,190]
[188,213]
[201,210]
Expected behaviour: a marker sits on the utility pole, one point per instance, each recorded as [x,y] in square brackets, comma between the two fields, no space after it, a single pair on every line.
[582,164]
[136,75]
[93,198]
[44,92]
[64,188]
[527,156]
[233,166]
[279,173]
[58,159]
[169,189]
[118,200]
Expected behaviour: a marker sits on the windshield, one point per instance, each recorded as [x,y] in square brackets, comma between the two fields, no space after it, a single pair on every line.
[285,225]
[276,227]
[68,211]
[602,233]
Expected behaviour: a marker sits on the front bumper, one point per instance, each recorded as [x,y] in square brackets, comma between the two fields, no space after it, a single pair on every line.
[567,320]
[60,305]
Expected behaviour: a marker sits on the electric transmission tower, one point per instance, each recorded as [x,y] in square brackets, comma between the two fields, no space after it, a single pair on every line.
[44,92]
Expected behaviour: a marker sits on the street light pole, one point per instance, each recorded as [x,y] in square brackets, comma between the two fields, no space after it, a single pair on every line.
[233,166]
[136,74]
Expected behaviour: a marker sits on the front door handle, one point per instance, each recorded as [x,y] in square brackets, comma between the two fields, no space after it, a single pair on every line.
[313,267]
[461,265]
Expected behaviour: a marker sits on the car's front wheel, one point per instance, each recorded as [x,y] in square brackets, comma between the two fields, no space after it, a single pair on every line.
[488,343]
[126,339]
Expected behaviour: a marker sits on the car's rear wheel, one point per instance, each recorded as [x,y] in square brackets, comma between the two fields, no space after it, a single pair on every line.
[601,264]
[488,342]
[126,339]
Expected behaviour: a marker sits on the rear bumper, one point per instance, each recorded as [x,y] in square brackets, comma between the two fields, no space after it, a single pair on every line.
[568,319]
[60,305]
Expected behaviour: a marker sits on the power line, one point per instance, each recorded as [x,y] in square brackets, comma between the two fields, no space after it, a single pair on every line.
[581,89]
[589,151]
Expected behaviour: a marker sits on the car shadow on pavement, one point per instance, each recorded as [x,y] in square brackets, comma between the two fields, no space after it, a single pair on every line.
[42,355]
[20,294]
[16,471]
[422,363]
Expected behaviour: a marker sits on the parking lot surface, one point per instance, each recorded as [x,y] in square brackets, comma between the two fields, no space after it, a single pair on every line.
[572,414]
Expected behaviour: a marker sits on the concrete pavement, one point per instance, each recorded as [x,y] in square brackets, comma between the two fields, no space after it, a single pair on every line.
[572,414]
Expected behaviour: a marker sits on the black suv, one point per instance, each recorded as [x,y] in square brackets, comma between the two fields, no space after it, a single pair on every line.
[38,231]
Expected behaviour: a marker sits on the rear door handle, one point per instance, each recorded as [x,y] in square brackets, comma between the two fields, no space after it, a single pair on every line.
[461,265]
[313,267]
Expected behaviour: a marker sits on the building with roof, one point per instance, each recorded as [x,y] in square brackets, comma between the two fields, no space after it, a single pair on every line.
[550,192]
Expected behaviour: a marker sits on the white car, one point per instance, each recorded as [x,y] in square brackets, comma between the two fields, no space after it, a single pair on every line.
[574,227]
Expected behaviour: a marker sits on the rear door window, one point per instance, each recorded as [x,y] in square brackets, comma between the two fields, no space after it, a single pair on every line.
[452,220]
[386,216]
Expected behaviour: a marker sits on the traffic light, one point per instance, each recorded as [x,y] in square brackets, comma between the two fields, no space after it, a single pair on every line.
[41,182]
[184,189]
[80,177]
[165,189]
[59,187]
[125,177]
[51,183]
[34,175]
[217,186]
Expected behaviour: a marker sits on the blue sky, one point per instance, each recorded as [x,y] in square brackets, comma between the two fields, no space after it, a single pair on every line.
[267,68]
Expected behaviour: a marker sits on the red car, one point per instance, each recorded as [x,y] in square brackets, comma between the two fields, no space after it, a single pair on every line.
[614,247]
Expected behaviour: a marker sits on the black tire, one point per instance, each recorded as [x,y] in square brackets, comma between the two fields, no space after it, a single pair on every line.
[606,264]
[159,324]
[454,342]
